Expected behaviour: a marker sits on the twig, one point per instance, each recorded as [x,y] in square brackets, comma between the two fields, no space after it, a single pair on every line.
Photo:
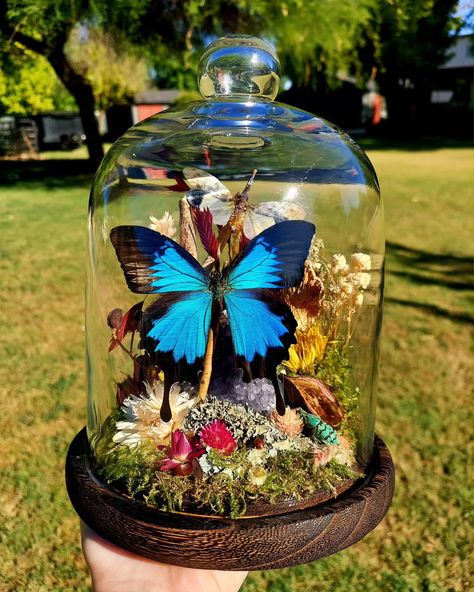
[207,365]
[187,236]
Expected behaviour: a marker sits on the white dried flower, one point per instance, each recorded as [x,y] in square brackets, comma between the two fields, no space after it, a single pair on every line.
[347,287]
[256,457]
[257,476]
[362,280]
[164,225]
[142,415]
[339,263]
[359,299]
[206,466]
[360,262]
[344,452]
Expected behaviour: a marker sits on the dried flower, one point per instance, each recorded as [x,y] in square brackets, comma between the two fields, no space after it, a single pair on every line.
[142,414]
[164,225]
[256,457]
[204,225]
[257,475]
[323,454]
[343,453]
[360,262]
[305,299]
[361,280]
[307,351]
[216,435]
[290,423]
[128,323]
[339,263]
[181,456]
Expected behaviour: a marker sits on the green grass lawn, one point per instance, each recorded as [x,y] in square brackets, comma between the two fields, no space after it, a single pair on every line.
[424,411]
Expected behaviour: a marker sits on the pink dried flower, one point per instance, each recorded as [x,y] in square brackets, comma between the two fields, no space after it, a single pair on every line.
[182,455]
[217,435]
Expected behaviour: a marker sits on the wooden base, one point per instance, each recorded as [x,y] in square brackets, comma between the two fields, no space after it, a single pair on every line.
[266,542]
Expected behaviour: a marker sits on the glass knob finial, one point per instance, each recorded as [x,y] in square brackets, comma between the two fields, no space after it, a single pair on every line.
[237,65]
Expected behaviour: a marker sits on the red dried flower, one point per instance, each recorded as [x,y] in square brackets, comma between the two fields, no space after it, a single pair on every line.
[217,435]
[203,221]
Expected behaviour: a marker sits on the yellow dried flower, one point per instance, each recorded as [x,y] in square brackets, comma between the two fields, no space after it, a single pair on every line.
[290,423]
[309,348]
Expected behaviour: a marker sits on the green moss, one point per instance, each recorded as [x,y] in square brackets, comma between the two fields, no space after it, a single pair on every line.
[335,370]
[226,492]
[133,468]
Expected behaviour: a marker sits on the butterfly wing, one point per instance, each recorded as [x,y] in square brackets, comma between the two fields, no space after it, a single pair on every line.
[179,323]
[262,216]
[155,264]
[179,320]
[273,259]
[207,192]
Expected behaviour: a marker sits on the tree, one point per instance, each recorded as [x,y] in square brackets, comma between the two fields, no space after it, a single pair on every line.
[407,42]
[109,63]
[28,84]
[44,27]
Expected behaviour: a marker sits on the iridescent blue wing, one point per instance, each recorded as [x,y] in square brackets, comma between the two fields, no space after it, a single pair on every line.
[273,259]
[179,323]
[179,320]
[258,323]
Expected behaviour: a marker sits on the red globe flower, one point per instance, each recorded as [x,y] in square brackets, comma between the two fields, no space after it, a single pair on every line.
[218,436]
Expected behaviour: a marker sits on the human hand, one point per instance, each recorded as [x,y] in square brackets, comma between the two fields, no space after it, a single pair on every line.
[115,570]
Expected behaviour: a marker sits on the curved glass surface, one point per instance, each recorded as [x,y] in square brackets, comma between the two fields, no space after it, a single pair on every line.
[233,305]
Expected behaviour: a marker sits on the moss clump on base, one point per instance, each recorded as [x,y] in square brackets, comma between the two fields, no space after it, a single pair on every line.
[236,482]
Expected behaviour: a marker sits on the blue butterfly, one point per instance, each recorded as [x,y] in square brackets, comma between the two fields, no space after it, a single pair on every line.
[191,298]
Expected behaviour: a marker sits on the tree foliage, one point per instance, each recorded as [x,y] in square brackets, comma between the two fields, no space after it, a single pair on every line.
[407,42]
[113,68]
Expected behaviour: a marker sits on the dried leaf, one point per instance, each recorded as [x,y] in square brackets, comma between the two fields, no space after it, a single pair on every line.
[314,395]
[128,387]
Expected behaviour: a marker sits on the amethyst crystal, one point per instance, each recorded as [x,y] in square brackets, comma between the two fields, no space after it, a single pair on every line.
[258,394]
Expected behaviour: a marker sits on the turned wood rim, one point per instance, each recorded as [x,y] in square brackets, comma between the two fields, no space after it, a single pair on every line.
[251,543]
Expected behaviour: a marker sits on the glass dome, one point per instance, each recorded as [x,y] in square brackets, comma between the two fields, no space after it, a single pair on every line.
[233,300]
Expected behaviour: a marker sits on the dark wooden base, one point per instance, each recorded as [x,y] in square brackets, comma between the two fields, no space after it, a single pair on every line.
[266,542]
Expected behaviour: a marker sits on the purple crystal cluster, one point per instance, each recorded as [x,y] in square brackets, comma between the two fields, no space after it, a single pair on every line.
[258,394]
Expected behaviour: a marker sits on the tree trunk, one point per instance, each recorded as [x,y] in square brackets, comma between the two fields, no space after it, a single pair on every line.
[82,92]
[76,83]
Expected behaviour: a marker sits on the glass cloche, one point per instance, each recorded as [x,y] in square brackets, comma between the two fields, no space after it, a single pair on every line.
[233,300]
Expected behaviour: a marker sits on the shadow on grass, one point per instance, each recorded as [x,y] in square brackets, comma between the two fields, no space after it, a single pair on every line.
[438,311]
[453,272]
[50,173]
[422,267]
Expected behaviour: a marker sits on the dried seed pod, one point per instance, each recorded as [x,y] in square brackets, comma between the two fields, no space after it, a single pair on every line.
[114,318]
[315,396]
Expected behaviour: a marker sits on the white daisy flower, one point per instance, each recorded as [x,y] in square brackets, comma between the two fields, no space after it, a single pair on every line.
[142,415]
